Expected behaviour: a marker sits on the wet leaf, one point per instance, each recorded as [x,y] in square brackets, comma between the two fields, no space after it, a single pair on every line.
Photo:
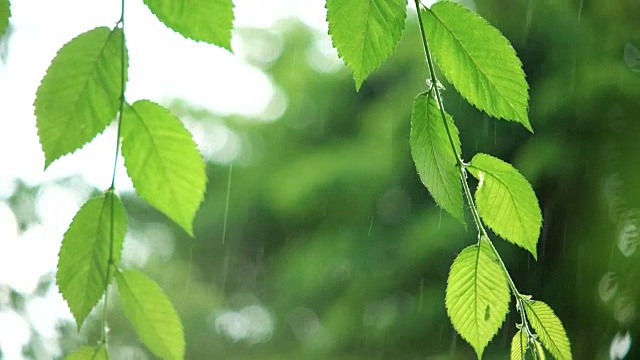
[80,93]
[210,21]
[477,295]
[433,156]
[163,161]
[506,202]
[365,32]
[84,255]
[549,329]
[478,60]
[151,314]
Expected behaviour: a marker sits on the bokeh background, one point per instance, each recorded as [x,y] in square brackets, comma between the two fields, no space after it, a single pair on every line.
[316,239]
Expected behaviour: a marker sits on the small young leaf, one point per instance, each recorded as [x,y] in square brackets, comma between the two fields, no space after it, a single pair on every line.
[151,314]
[89,353]
[210,21]
[478,60]
[519,346]
[506,202]
[477,295]
[365,32]
[5,14]
[163,161]
[84,255]
[539,351]
[80,93]
[433,156]
[549,329]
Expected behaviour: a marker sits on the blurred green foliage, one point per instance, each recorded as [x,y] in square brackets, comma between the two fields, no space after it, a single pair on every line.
[332,248]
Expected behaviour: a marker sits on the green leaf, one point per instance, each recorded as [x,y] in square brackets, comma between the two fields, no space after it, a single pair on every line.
[549,329]
[478,61]
[151,314]
[80,93]
[89,353]
[163,161]
[433,156]
[365,32]
[5,14]
[539,351]
[477,295]
[83,260]
[210,21]
[519,346]
[506,202]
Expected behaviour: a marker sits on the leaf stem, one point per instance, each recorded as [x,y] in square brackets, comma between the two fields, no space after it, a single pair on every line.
[482,232]
[111,190]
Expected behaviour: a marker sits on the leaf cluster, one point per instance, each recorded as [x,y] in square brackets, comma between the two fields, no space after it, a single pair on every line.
[483,67]
[83,92]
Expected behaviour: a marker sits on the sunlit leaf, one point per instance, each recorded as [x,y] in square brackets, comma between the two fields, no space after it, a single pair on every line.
[433,155]
[163,161]
[210,21]
[5,14]
[549,329]
[89,353]
[365,32]
[506,201]
[80,93]
[477,295]
[519,346]
[84,255]
[478,60]
[151,314]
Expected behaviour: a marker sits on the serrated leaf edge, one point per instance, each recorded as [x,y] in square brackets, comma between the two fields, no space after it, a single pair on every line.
[48,162]
[525,120]
[480,177]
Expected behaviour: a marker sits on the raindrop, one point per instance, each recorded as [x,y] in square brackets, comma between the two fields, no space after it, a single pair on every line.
[307,328]
[580,7]
[252,324]
[623,311]
[304,323]
[528,16]
[620,346]
[608,286]
[632,57]
[629,233]
[226,205]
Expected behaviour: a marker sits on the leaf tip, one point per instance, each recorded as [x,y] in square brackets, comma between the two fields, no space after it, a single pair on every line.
[479,351]
[528,126]
[358,82]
